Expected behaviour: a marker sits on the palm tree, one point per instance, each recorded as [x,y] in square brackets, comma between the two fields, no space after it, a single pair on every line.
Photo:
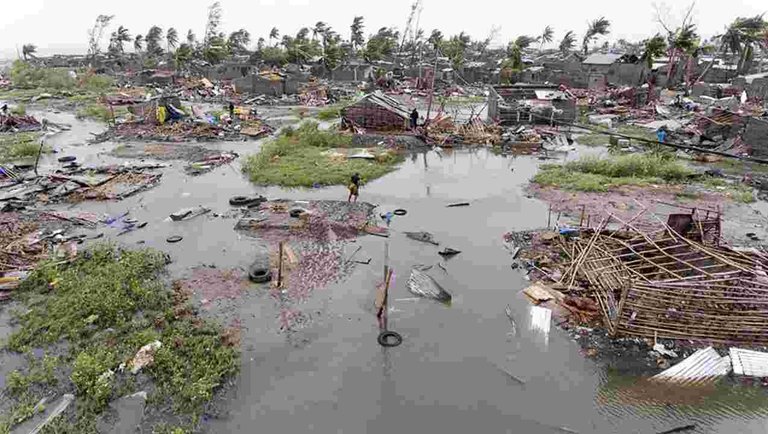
[171,39]
[741,37]
[435,38]
[28,50]
[238,41]
[546,36]
[654,47]
[319,29]
[191,38]
[598,27]
[274,34]
[260,44]
[154,35]
[357,39]
[117,40]
[138,43]
[568,42]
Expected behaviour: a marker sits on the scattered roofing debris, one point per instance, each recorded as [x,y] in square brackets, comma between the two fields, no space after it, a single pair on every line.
[703,367]
[750,363]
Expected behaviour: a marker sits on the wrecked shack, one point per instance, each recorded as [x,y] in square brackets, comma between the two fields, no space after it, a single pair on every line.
[377,111]
[530,104]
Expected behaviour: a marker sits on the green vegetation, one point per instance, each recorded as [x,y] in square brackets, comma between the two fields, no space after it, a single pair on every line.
[737,192]
[331,112]
[25,76]
[104,306]
[602,174]
[100,112]
[20,145]
[591,174]
[304,157]
[602,139]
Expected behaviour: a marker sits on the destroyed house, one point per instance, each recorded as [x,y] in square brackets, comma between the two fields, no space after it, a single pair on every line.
[377,111]
[605,69]
[530,104]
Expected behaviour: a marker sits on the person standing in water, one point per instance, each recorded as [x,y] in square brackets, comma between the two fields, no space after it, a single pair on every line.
[354,188]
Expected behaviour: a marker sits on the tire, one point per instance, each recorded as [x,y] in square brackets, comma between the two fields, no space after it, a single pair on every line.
[67,159]
[174,239]
[259,275]
[239,201]
[296,213]
[385,342]
[400,212]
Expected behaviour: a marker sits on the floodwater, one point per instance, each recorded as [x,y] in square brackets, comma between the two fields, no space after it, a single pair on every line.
[453,372]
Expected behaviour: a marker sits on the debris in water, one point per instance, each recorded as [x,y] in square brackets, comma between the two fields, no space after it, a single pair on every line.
[424,237]
[751,363]
[510,375]
[448,252]
[679,429]
[422,284]
[508,311]
[703,366]
[456,205]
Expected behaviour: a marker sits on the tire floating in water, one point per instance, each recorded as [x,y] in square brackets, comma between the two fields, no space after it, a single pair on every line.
[259,275]
[385,341]
[174,239]
[400,212]
[67,159]
[239,201]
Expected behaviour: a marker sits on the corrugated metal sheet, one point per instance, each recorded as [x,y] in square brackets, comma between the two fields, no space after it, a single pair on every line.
[751,363]
[701,367]
[602,59]
[388,103]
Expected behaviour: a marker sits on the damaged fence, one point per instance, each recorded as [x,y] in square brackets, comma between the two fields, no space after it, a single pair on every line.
[676,283]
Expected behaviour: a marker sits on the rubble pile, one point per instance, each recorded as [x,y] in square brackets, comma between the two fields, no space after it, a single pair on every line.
[12,124]
[675,282]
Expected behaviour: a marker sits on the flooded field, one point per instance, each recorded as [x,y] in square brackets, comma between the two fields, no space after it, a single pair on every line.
[460,368]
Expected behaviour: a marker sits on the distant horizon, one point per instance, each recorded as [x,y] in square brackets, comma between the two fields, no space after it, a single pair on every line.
[39,22]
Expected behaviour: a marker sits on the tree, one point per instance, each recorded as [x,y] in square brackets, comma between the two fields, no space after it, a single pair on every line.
[654,47]
[741,37]
[333,52]
[153,38]
[302,34]
[96,33]
[356,38]
[546,36]
[238,41]
[191,38]
[274,34]
[171,39]
[28,50]
[382,44]
[260,44]
[138,42]
[183,55]
[515,49]
[117,41]
[568,42]
[455,48]
[319,29]
[274,56]
[212,24]
[435,38]
[216,50]
[598,27]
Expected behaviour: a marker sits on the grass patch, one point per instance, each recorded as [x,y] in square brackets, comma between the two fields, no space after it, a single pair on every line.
[105,305]
[15,146]
[303,157]
[596,138]
[735,191]
[602,174]
[331,112]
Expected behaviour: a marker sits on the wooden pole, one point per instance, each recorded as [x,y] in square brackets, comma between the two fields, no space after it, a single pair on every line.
[280,266]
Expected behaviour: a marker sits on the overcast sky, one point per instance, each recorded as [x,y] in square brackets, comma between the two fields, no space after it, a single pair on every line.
[61,25]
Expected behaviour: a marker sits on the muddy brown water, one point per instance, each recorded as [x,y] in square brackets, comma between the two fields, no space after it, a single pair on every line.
[452,372]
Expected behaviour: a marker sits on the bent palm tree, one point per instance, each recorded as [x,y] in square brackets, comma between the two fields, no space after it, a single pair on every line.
[598,27]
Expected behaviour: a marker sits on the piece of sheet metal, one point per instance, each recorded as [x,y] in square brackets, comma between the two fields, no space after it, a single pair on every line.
[703,366]
[750,363]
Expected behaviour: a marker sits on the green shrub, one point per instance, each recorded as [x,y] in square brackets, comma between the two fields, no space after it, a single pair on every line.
[92,376]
